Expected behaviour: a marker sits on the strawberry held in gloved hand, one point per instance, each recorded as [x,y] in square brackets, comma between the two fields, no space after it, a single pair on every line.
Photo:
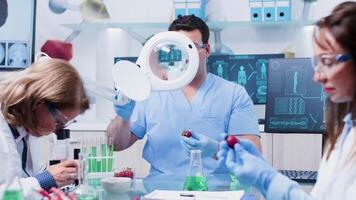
[248,164]
[208,146]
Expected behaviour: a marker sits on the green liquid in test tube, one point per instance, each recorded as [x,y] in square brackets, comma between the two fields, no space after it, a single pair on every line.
[103,155]
[93,159]
[98,160]
[111,154]
[98,164]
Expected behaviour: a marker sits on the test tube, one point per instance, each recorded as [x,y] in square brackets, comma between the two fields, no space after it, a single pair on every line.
[98,159]
[84,150]
[111,153]
[103,155]
[93,157]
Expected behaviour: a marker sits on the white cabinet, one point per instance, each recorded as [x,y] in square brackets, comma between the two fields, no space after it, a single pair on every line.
[292,151]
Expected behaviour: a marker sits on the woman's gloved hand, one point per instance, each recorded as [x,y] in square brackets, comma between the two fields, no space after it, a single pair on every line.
[247,163]
[246,144]
[124,111]
[249,146]
[208,146]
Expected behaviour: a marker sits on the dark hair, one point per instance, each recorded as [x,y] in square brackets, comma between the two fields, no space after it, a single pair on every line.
[341,24]
[190,23]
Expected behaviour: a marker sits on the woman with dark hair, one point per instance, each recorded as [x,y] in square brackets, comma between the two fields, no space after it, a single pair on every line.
[335,69]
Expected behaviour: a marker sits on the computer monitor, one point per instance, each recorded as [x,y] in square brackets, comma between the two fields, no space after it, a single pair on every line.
[295,103]
[250,71]
[131,59]
[171,56]
[17,27]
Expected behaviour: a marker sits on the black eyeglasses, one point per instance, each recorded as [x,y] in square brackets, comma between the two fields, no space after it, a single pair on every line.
[62,121]
[325,62]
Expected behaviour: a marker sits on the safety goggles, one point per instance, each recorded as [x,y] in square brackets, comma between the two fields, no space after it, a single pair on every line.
[200,45]
[325,62]
[61,120]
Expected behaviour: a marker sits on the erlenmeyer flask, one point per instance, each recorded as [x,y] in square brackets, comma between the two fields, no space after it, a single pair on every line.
[195,180]
[84,191]
[14,191]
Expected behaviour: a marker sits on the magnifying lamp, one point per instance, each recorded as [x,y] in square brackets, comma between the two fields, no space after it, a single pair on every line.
[89,9]
[168,61]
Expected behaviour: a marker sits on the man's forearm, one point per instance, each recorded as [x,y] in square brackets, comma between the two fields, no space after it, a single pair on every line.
[120,131]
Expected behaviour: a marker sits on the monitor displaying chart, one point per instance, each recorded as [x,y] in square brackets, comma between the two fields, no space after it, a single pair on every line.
[295,103]
[17,26]
[249,71]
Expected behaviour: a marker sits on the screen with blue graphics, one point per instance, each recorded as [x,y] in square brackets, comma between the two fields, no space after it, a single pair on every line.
[171,56]
[132,59]
[249,71]
[295,103]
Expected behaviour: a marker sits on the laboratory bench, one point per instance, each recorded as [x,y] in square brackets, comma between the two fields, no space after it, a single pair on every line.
[175,182]
[282,151]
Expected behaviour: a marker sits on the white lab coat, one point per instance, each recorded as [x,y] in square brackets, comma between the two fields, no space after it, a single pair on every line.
[336,175]
[335,181]
[10,157]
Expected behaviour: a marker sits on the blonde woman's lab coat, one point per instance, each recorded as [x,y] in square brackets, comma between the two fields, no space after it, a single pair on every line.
[11,162]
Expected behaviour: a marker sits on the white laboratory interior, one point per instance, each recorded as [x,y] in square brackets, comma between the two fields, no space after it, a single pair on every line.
[178,99]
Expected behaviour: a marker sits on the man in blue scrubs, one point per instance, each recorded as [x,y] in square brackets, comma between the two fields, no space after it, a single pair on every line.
[208,106]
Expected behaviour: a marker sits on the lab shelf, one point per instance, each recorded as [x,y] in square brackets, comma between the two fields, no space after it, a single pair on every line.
[163,25]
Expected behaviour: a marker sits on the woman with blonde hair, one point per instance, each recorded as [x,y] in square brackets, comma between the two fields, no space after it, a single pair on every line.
[335,69]
[36,102]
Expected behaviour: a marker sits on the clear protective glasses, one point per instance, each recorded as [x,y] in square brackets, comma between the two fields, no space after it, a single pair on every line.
[61,120]
[324,62]
[200,45]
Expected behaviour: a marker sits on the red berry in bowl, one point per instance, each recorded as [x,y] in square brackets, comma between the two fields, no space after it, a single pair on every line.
[125,173]
[231,140]
[187,133]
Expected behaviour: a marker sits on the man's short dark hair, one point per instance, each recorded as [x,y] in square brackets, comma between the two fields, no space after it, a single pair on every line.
[191,23]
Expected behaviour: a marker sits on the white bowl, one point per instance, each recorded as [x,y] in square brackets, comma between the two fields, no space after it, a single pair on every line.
[116,184]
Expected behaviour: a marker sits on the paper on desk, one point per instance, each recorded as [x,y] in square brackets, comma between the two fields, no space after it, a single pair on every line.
[193,195]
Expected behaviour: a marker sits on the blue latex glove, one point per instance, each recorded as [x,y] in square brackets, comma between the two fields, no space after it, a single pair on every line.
[124,111]
[246,144]
[248,165]
[249,146]
[202,142]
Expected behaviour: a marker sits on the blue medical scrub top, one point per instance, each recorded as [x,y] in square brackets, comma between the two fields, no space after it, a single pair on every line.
[218,106]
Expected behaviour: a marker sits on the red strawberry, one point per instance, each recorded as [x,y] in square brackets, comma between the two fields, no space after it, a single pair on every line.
[187,133]
[231,140]
[125,173]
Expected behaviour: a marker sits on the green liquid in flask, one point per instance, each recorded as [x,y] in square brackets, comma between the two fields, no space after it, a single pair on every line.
[13,195]
[195,183]
[87,198]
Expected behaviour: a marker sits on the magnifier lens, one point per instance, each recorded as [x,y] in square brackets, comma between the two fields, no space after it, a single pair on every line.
[169,60]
